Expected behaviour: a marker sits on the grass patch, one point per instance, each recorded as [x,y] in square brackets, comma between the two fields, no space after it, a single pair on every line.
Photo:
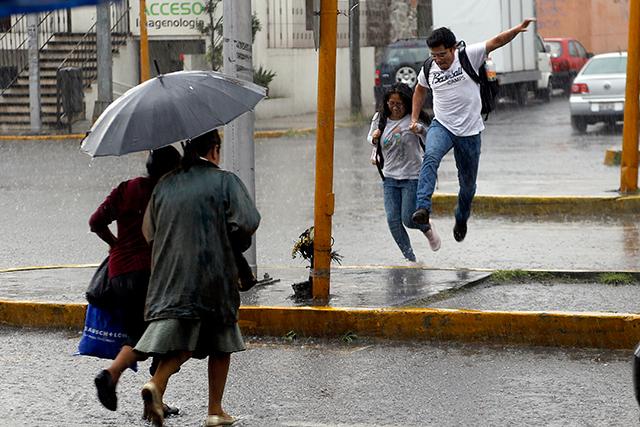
[616,279]
[510,276]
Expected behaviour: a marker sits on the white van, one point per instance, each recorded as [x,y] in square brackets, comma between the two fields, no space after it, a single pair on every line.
[544,88]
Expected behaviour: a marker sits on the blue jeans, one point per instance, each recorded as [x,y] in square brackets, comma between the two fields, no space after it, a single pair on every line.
[399,204]
[466,150]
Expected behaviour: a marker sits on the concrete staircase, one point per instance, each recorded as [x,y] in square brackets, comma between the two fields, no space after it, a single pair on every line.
[14,103]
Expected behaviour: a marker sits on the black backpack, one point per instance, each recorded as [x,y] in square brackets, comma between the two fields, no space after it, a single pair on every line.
[488,88]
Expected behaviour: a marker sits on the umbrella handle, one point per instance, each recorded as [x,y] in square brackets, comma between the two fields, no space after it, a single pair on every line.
[155,63]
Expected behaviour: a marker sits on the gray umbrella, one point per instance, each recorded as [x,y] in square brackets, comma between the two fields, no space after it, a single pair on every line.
[167,109]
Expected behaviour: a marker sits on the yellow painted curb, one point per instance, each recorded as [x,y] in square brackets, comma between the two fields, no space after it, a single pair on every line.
[42,314]
[599,330]
[541,205]
[565,329]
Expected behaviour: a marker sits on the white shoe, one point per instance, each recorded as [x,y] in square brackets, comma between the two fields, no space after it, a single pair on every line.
[432,237]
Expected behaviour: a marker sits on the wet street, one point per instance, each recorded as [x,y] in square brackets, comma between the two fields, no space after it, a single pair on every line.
[48,190]
[314,383]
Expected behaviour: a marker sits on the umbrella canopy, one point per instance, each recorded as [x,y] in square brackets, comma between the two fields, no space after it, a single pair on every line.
[12,7]
[169,108]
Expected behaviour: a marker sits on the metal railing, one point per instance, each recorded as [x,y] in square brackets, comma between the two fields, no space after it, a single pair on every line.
[14,43]
[81,56]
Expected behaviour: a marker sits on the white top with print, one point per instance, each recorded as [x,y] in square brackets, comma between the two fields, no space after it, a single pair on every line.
[456,97]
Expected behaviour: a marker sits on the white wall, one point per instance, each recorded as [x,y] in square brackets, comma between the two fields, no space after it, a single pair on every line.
[82,18]
[126,73]
[294,89]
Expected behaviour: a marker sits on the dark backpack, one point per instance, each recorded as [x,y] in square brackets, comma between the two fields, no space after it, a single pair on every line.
[488,88]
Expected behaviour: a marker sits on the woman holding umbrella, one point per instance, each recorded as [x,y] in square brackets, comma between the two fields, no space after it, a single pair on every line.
[198,217]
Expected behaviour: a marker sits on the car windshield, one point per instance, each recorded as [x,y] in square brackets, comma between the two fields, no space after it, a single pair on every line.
[612,65]
[555,48]
[405,55]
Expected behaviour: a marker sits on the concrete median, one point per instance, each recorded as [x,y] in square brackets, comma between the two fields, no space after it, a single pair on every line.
[597,330]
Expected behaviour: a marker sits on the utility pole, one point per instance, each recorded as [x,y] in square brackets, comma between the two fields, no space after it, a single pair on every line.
[145,73]
[103,47]
[629,161]
[34,72]
[354,57]
[239,151]
[324,198]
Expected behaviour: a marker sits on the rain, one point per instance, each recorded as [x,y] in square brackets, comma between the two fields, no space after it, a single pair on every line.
[553,229]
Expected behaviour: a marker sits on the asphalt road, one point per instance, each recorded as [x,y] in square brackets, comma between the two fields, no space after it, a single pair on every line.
[48,190]
[309,383]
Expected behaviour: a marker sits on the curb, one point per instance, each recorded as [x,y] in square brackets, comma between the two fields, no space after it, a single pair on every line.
[563,329]
[540,206]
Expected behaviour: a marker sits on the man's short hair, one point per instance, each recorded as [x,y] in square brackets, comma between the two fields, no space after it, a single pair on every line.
[441,37]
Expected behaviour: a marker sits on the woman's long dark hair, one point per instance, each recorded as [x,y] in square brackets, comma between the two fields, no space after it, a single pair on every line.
[161,161]
[199,147]
[406,95]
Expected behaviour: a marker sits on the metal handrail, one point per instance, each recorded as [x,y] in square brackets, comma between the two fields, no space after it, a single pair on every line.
[10,30]
[12,44]
[78,56]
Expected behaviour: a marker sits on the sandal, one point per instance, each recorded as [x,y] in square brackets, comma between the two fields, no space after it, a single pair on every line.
[153,409]
[219,420]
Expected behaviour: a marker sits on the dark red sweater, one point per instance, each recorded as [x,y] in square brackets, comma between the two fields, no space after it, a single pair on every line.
[126,205]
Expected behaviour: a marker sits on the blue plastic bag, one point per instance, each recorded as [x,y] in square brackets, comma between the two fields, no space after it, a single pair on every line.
[103,334]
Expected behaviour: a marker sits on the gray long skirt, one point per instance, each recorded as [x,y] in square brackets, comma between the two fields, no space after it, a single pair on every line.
[200,337]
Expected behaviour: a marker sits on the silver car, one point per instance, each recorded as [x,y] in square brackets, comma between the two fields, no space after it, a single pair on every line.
[597,92]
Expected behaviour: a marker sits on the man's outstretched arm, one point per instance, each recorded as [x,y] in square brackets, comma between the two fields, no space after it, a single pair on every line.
[419,95]
[506,36]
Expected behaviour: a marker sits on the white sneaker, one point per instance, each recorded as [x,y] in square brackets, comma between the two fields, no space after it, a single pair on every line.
[432,237]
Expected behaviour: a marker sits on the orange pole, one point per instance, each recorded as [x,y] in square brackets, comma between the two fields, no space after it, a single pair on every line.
[629,161]
[324,197]
[145,74]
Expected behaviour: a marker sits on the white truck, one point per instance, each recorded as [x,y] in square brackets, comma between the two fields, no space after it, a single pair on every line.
[522,65]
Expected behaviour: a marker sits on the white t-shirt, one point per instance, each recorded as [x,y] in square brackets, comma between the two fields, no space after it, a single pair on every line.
[456,97]
[401,147]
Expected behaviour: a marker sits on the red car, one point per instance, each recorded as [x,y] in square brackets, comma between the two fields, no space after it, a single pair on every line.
[567,58]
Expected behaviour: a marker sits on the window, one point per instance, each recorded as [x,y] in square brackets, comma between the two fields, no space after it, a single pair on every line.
[611,65]
[573,50]
[555,48]
[539,44]
[582,52]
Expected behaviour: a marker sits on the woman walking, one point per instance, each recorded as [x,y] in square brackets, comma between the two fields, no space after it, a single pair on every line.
[399,157]
[129,262]
[197,217]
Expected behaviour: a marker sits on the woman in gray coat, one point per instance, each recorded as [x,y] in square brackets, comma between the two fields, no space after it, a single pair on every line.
[197,217]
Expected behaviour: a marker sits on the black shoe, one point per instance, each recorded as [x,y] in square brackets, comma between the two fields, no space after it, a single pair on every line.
[106,390]
[169,410]
[459,231]
[421,216]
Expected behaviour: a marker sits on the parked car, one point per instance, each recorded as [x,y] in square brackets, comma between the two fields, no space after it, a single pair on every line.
[597,92]
[567,58]
[401,63]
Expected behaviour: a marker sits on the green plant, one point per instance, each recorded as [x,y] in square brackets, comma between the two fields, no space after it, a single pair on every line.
[506,276]
[290,336]
[349,337]
[214,30]
[263,77]
[304,247]
[616,279]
